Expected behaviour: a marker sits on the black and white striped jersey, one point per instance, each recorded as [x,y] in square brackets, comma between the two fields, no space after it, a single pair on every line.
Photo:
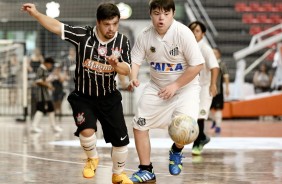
[42,92]
[94,76]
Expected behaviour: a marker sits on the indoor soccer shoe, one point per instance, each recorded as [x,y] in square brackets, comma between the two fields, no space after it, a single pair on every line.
[121,179]
[56,128]
[175,162]
[217,130]
[90,167]
[198,149]
[143,176]
[35,130]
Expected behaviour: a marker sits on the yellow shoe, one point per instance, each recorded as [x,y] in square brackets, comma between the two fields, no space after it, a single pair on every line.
[90,167]
[121,179]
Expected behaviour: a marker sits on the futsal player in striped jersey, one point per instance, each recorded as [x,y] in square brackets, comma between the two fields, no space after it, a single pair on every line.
[102,53]
[175,61]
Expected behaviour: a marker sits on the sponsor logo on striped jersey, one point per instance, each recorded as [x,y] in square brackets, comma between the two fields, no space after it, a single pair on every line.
[96,66]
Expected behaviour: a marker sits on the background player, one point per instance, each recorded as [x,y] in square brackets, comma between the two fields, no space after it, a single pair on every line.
[208,78]
[218,100]
[175,61]
[44,102]
[102,52]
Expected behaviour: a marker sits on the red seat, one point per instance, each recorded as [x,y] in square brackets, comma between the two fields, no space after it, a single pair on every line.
[255,30]
[275,18]
[242,7]
[249,18]
[262,18]
[270,57]
[256,7]
[278,5]
[269,7]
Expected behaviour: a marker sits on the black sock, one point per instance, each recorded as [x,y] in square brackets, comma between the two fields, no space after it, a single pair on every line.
[146,167]
[174,148]
[201,123]
[201,135]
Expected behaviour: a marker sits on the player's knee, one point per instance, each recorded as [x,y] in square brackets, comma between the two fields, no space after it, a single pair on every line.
[87,132]
[121,149]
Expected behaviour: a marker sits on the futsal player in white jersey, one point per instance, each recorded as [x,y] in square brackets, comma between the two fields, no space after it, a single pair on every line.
[208,78]
[175,61]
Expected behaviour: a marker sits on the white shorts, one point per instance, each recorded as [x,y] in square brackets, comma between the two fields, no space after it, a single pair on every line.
[205,102]
[154,112]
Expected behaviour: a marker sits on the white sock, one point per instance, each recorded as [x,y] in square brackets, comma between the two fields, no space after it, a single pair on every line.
[119,156]
[218,118]
[36,119]
[52,120]
[211,115]
[89,145]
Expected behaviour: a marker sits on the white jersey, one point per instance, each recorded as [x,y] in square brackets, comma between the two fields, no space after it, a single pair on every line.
[169,56]
[277,62]
[210,62]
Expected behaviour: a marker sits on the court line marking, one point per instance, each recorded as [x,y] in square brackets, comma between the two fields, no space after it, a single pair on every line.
[230,143]
[216,143]
[126,169]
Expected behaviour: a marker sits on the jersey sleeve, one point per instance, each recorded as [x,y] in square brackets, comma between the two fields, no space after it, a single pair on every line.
[138,50]
[73,34]
[40,75]
[210,59]
[126,51]
[224,69]
[191,50]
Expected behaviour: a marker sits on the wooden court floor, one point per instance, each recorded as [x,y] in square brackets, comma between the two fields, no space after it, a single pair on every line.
[246,152]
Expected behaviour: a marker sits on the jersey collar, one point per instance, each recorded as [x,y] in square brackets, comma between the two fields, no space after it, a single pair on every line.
[102,42]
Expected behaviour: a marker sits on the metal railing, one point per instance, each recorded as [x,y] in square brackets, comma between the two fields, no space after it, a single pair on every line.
[195,11]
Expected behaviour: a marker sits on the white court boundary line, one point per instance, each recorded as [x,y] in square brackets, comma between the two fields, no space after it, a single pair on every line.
[226,143]
[126,169]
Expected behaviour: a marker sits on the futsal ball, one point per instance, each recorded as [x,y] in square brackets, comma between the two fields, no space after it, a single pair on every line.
[183,130]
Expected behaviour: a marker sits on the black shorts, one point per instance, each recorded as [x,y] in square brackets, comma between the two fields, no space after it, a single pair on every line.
[46,106]
[218,101]
[108,110]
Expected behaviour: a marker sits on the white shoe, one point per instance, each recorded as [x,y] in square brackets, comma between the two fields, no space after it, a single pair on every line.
[57,128]
[35,130]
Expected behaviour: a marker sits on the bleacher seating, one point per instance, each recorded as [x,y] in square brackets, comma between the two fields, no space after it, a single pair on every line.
[260,13]
[255,6]
[261,18]
[242,7]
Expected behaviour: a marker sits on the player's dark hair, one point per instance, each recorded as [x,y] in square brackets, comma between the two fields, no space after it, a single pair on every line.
[194,24]
[162,4]
[107,11]
[49,60]
[218,50]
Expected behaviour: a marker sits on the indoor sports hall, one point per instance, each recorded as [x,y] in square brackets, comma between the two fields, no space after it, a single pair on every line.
[247,149]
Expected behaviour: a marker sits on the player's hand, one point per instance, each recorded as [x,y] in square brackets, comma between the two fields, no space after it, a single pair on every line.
[50,87]
[133,83]
[30,8]
[213,90]
[227,92]
[168,92]
[113,60]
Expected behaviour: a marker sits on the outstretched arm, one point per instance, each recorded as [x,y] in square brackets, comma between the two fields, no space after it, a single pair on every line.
[49,23]
[214,74]
[134,82]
